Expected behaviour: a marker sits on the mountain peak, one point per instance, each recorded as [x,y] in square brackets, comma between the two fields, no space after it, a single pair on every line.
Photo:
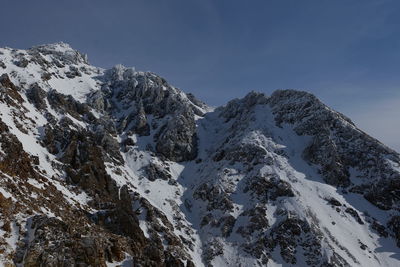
[62,51]
[118,167]
[56,47]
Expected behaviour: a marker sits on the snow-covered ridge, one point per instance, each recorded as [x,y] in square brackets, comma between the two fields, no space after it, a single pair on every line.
[55,66]
[114,167]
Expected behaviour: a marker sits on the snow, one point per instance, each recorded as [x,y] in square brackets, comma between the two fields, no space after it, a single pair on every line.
[6,194]
[58,47]
[127,262]
[72,198]
[311,192]
[160,192]
[29,140]
[35,183]
[13,238]
[77,87]
[340,230]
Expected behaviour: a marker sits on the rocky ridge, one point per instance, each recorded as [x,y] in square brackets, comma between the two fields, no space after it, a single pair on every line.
[117,167]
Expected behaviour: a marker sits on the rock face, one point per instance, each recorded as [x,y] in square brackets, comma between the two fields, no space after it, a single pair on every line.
[137,99]
[119,168]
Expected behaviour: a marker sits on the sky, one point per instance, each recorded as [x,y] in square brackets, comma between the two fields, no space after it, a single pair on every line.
[346,52]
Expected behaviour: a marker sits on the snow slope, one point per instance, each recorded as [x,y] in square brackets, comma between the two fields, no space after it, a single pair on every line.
[122,158]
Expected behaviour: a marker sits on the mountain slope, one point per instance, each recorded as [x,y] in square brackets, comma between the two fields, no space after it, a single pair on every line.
[117,167]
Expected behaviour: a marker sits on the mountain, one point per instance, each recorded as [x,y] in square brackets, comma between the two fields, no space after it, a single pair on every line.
[116,167]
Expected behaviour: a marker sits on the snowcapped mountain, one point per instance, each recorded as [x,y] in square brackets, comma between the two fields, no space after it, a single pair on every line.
[119,168]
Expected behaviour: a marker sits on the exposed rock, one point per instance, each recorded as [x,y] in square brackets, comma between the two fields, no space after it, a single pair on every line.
[394,226]
[293,232]
[354,213]
[52,237]
[73,72]
[334,202]
[338,145]
[97,100]
[154,172]
[66,104]
[215,196]
[258,222]
[129,170]
[62,52]
[379,228]
[269,187]
[37,96]
[177,139]
[15,161]
[22,63]
[9,93]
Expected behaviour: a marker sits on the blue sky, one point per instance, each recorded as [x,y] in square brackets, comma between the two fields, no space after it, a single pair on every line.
[347,52]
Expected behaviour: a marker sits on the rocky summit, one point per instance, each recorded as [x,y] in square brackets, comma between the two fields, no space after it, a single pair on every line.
[116,167]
